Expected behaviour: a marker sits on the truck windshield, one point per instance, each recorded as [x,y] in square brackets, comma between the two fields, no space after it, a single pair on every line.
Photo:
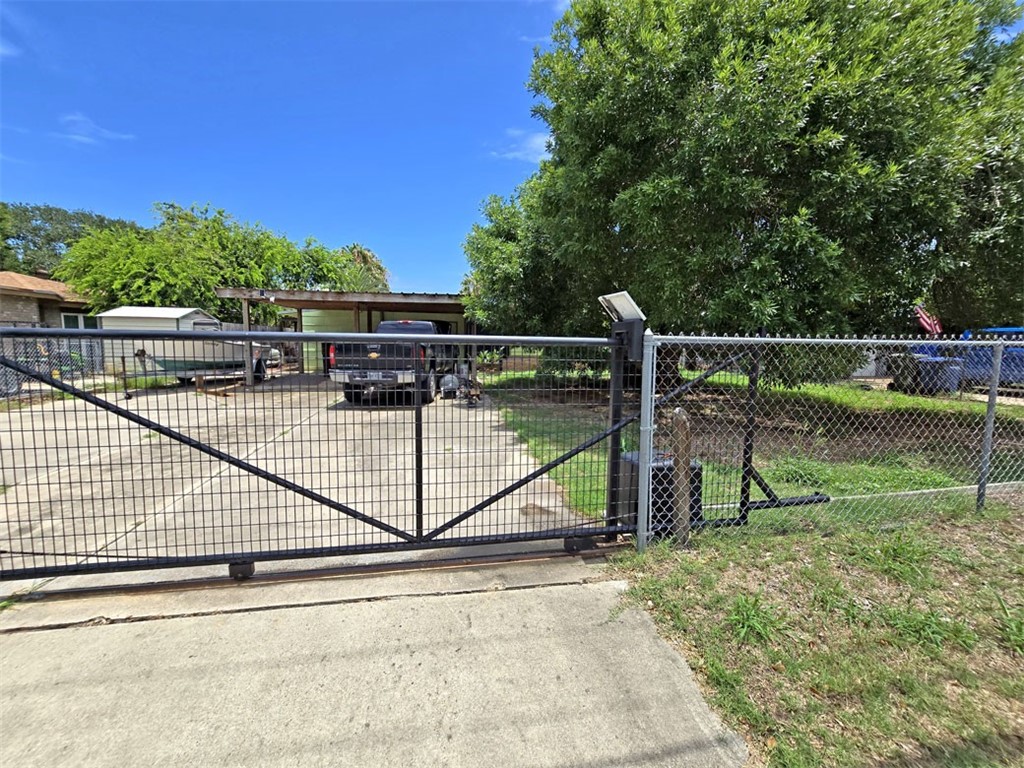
[406,326]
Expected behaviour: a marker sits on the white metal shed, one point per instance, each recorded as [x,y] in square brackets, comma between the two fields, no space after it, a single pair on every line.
[157,319]
[128,355]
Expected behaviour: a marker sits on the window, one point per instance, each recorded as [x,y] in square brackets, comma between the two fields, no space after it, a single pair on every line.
[78,321]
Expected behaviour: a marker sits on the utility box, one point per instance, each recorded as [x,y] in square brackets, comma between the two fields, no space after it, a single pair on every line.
[663,494]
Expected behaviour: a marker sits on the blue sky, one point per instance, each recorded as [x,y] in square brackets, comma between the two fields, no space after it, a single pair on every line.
[384,123]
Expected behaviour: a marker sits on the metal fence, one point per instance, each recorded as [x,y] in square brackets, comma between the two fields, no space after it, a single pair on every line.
[409,442]
[818,434]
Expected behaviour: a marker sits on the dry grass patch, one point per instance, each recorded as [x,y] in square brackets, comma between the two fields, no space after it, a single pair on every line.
[895,648]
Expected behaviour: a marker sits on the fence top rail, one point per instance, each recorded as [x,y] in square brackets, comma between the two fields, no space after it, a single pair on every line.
[286,337]
[893,342]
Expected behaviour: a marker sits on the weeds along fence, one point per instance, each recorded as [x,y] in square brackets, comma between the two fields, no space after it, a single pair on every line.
[803,434]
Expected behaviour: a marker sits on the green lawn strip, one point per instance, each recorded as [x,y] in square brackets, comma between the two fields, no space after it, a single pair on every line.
[855,396]
[849,395]
[856,648]
[550,431]
[551,427]
[796,475]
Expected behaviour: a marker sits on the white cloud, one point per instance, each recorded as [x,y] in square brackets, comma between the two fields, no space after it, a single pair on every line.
[528,147]
[79,129]
[6,49]
[538,39]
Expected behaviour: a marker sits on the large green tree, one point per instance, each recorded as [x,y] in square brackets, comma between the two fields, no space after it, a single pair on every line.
[193,251]
[805,165]
[982,283]
[36,237]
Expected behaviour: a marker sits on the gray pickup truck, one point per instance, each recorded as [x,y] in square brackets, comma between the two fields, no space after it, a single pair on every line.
[364,370]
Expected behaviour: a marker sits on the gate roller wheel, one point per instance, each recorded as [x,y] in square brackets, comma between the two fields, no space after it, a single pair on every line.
[579,544]
[241,571]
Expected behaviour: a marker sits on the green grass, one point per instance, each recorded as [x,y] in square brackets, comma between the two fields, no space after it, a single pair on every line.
[1010,625]
[550,431]
[853,396]
[551,427]
[796,475]
[753,620]
[898,648]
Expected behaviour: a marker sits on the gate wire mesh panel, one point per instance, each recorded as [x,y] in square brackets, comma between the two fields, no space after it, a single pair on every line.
[166,457]
[538,404]
[785,435]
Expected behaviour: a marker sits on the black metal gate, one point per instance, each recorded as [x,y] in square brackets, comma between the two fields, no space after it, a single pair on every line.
[157,454]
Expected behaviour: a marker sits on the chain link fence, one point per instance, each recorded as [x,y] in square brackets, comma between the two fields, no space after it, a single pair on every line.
[778,435]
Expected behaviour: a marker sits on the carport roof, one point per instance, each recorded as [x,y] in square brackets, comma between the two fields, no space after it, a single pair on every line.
[441,303]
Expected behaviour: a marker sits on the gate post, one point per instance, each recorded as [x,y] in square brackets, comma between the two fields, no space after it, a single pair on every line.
[643,512]
[613,513]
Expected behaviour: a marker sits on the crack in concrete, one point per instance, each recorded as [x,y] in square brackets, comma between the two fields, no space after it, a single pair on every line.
[102,621]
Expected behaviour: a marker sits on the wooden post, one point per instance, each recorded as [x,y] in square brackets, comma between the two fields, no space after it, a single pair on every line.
[681,448]
[302,350]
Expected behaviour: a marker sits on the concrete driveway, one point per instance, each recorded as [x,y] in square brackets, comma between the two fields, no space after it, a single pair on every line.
[82,485]
[527,664]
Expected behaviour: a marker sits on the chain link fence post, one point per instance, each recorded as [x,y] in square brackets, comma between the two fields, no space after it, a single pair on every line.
[990,423]
[643,516]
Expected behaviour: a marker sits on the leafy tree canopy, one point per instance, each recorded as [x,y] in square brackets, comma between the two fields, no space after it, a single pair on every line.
[812,166]
[36,237]
[193,251]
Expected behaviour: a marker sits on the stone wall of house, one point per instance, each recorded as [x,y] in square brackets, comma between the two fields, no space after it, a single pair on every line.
[20,309]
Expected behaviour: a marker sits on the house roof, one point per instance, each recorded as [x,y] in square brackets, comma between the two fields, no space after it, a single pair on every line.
[37,287]
[397,302]
[162,313]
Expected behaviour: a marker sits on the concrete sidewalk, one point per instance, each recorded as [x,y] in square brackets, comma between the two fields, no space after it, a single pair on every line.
[523,663]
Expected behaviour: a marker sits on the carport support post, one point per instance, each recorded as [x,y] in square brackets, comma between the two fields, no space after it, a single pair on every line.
[302,350]
[612,512]
[246,326]
[990,424]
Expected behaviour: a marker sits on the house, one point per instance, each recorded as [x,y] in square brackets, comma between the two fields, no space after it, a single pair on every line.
[30,300]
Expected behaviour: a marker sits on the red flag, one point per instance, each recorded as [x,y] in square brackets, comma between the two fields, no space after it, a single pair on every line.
[930,323]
